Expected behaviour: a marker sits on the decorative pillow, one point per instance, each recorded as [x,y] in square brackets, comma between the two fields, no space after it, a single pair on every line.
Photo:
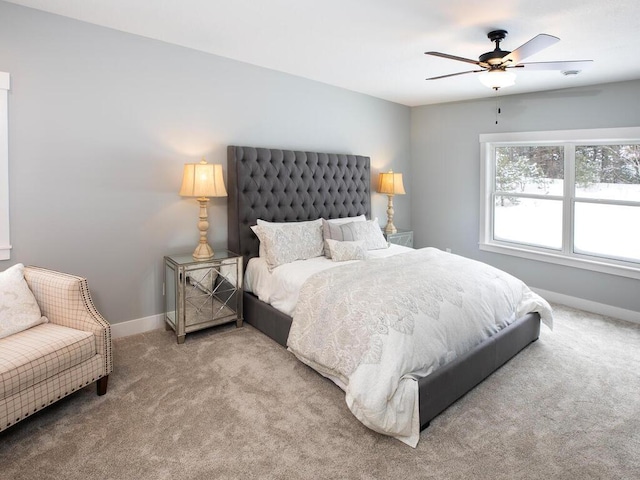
[338,221]
[368,231]
[261,251]
[287,243]
[18,307]
[343,251]
[341,221]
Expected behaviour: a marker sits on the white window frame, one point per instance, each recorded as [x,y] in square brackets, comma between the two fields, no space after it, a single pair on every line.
[5,244]
[566,138]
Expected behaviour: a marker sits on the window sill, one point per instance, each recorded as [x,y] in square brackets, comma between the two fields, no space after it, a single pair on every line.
[559,259]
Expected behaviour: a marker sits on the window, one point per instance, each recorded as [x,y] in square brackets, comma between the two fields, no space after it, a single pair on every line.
[569,197]
[5,245]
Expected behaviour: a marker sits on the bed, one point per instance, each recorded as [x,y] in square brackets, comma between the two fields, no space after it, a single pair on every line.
[291,186]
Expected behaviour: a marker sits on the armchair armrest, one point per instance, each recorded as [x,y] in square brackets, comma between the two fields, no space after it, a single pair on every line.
[65,300]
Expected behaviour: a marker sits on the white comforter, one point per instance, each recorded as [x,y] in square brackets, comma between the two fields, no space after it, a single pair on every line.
[375,326]
[280,287]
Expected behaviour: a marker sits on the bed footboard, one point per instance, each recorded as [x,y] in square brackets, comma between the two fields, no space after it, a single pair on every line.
[448,384]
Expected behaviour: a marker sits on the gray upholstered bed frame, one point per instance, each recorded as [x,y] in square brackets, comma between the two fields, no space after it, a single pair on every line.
[283,185]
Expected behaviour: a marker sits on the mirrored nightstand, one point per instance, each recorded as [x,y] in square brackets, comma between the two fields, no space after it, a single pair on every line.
[201,294]
[401,237]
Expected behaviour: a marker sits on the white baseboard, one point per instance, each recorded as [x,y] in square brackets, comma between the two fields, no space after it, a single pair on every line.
[146,324]
[138,325]
[589,306]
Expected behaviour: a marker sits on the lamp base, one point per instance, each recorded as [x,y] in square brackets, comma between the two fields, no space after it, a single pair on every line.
[203,252]
[390,228]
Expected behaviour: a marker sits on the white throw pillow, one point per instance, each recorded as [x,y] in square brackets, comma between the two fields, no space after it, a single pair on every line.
[343,251]
[261,252]
[287,243]
[338,221]
[341,221]
[18,307]
[368,231]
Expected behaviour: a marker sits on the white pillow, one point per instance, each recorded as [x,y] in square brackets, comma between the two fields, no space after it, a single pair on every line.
[18,307]
[343,251]
[338,221]
[261,251]
[368,231]
[287,243]
[341,221]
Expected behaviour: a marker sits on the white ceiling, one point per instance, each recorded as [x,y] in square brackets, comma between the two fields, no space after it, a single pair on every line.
[377,47]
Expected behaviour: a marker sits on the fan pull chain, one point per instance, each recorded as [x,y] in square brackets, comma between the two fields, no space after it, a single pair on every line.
[498,112]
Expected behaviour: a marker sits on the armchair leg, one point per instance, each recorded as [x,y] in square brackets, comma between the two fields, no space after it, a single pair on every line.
[102,385]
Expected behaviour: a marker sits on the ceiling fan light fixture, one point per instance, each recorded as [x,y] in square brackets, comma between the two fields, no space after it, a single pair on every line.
[497,78]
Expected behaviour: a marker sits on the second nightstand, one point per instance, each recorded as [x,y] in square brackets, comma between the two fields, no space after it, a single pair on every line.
[201,294]
[401,237]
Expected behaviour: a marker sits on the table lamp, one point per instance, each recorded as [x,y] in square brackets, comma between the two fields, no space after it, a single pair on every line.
[390,184]
[203,180]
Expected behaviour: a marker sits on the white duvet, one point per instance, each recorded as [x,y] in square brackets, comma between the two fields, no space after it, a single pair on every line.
[280,287]
[375,326]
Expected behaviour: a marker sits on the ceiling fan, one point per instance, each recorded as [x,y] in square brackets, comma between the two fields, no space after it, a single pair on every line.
[495,64]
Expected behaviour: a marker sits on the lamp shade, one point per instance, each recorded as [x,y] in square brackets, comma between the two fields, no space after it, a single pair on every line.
[390,183]
[202,180]
[497,78]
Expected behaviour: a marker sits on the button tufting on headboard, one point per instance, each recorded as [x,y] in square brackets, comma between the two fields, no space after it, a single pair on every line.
[284,185]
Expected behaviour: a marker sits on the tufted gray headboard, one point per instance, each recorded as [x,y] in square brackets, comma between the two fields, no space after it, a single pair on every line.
[289,186]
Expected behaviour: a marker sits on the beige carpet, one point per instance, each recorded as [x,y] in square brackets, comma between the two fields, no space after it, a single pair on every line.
[230,403]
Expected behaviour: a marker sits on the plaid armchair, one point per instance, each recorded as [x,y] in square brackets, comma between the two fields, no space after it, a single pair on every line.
[45,363]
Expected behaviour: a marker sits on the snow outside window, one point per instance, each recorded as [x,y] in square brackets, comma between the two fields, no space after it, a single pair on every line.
[568,197]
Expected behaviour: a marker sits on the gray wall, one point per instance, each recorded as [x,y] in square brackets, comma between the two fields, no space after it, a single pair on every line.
[446,176]
[101,123]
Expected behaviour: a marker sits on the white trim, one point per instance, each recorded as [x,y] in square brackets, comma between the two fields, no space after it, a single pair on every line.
[154,322]
[568,256]
[138,325]
[589,306]
[568,208]
[559,259]
[562,136]
[486,175]
[5,244]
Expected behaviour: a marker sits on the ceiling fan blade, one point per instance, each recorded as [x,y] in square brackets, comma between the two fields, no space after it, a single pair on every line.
[564,66]
[454,74]
[537,43]
[453,57]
